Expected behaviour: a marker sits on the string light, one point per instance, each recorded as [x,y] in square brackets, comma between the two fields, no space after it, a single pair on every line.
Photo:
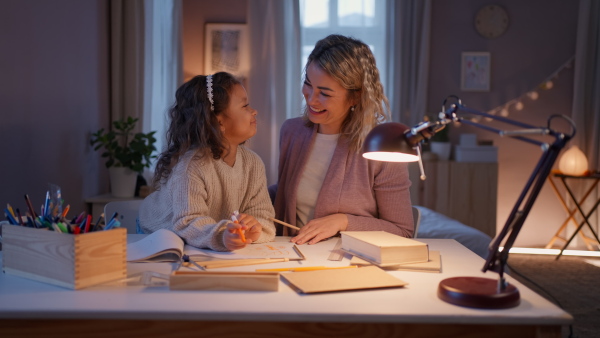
[517,103]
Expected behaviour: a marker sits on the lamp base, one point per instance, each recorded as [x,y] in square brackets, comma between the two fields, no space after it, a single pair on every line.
[478,292]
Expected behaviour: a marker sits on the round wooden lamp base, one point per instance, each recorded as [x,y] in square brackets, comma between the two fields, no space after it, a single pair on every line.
[478,292]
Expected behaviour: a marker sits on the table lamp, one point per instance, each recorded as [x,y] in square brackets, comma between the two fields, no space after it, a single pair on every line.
[395,142]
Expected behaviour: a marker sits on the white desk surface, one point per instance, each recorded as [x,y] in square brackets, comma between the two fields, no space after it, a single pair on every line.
[415,303]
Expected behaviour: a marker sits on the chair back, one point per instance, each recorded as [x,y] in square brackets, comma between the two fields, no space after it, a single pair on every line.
[416,219]
[128,212]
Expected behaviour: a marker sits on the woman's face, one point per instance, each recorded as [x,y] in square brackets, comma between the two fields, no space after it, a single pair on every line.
[326,99]
[238,122]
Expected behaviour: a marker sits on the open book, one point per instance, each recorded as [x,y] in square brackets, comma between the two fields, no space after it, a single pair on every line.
[160,246]
[165,246]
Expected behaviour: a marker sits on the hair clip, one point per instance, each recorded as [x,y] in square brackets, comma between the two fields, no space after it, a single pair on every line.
[210,92]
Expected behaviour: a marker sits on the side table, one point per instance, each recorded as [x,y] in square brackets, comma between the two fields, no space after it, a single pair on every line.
[589,241]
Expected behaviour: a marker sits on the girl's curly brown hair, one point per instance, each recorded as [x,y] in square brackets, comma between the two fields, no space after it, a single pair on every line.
[192,123]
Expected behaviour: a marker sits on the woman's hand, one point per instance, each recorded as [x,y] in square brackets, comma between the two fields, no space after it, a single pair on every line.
[321,228]
[254,228]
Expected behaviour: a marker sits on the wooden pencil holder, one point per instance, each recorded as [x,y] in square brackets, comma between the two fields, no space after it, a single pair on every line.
[67,260]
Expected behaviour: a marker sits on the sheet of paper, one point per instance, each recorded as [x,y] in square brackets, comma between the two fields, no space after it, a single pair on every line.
[261,250]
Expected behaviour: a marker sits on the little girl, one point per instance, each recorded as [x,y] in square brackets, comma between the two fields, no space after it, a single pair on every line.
[206,173]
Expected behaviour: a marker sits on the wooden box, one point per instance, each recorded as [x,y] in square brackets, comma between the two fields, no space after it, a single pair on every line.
[71,261]
[224,281]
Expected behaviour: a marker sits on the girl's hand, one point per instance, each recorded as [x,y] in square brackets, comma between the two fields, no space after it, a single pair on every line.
[322,228]
[254,228]
[231,237]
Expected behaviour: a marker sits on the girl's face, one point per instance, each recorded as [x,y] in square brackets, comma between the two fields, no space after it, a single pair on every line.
[238,122]
[326,99]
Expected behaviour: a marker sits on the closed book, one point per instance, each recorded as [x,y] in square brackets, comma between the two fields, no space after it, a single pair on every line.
[383,247]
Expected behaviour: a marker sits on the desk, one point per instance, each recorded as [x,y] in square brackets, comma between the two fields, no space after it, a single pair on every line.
[594,179]
[31,308]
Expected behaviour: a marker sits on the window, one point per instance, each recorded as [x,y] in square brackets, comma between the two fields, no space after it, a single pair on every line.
[361,19]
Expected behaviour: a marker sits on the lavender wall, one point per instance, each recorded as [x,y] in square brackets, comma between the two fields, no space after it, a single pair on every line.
[196,13]
[540,38]
[53,94]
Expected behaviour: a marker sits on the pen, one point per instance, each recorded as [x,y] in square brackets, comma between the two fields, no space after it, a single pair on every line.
[79,218]
[20,217]
[46,211]
[97,224]
[9,217]
[87,223]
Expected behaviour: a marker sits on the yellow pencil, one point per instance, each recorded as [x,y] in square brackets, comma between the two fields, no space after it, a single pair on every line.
[11,211]
[284,223]
[248,262]
[307,268]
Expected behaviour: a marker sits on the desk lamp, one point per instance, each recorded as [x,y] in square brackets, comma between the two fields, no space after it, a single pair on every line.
[395,142]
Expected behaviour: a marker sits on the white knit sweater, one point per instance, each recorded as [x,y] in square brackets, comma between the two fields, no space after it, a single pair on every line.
[197,200]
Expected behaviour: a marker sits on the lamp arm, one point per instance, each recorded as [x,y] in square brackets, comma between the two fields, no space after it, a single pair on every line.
[496,260]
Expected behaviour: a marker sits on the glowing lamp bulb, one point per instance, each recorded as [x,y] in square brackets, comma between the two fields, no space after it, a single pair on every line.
[533,95]
[573,162]
[519,106]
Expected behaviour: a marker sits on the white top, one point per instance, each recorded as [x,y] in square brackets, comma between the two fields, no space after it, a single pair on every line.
[313,176]
[415,303]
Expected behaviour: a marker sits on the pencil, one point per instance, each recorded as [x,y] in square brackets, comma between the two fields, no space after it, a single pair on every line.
[239,263]
[306,268]
[284,223]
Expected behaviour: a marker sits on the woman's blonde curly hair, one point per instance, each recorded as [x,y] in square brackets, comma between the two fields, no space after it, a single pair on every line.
[350,62]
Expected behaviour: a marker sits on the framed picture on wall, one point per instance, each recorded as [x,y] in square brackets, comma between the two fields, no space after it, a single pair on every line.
[475,71]
[226,48]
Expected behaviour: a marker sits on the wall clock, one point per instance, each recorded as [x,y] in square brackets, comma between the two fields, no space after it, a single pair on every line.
[491,21]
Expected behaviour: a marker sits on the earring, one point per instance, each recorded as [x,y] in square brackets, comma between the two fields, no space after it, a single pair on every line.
[352,108]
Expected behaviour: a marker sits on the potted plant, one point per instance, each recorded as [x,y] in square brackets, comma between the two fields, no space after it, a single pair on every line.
[126,153]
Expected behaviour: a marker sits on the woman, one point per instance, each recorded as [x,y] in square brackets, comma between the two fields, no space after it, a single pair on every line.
[206,173]
[324,184]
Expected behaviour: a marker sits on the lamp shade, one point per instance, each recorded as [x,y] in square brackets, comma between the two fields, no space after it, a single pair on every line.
[573,162]
[387,142]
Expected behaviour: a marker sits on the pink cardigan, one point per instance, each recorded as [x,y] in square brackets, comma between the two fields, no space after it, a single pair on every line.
[374,195]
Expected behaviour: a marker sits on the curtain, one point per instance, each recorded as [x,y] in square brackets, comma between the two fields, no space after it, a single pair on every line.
[163,64]
[126,59]
[586,101]
[274,81]
[409,32]
[145,62]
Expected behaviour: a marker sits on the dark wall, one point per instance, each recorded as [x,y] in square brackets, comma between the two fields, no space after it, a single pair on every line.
[53,94]
[540,38]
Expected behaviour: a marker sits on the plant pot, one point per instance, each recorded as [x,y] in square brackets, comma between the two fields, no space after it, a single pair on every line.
[441,149]
[122,181]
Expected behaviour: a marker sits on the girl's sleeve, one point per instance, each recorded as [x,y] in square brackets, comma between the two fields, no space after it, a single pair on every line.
[257,202]
[189,214]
